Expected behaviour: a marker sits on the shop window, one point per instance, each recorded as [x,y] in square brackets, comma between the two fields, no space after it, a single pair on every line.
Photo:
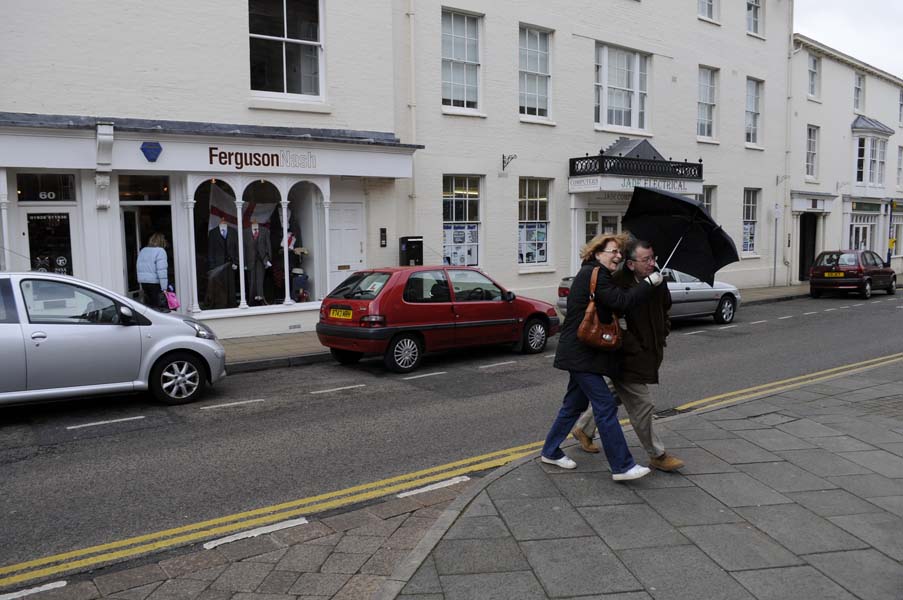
[286,46]
[621,87]
[598,224]
[461,220]
[707,198]
[533,221]
[216,245]
[45,187]
[141,188]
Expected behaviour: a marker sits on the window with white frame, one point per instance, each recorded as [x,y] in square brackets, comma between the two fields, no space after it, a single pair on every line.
[754,12]
[814,71]
[286,46]
[901,107]
[598,223]
[753,114]
[897,235]
[707,9]
[460,60]
[858,91]
[707,198]
[534,75]
[750,219]
[461,220]
[811,151]
[871,156]
[705,107]
[533,221]
[621,87]
[899,166]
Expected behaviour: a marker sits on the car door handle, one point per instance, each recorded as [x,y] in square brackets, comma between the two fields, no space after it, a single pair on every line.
[38,336]
[686,289]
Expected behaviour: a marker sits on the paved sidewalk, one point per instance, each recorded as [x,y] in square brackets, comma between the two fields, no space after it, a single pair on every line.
[793,496]
[292,349]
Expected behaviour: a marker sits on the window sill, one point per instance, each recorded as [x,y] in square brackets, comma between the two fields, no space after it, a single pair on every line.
[462,112]
[530,270]
[705,140]
[758,36]
[626,130]
[708,20]
[811,180]
[749,256]
[755,147]
[537,121]
[288,104]
[815,99]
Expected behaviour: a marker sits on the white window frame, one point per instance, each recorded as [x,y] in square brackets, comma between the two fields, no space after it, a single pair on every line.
[814,64]
[526,198]
[708,10]
[320,97]
[858,91]
[638,89]
[466,62]
[755,17]
[467,223]
[871,158]
[750,219]
[812,134]
[897,233]
[900,166]
[754,111]
[900,109]
[707,198]
[707,103]
[525,74]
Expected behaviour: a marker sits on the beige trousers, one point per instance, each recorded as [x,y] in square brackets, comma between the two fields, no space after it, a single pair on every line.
[637,401]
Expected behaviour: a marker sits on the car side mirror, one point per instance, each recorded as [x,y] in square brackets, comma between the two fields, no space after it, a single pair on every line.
[509,296]
[127,317]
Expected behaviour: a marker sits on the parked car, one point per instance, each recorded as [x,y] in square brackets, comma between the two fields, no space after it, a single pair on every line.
[61,337]
[851,271]
[401,312]
[690,297]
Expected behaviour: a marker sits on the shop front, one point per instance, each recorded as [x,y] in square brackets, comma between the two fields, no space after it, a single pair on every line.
[259,223]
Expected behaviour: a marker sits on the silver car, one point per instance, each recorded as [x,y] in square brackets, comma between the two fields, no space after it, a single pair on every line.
[690,297]
[62,337]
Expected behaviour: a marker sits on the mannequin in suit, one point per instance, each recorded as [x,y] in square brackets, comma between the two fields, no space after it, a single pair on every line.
[258,258]
[222,260]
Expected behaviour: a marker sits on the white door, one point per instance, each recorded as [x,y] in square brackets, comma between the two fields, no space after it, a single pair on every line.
[346,241]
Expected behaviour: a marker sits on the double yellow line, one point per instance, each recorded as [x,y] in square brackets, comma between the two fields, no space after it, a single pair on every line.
[142,544]
[77,559]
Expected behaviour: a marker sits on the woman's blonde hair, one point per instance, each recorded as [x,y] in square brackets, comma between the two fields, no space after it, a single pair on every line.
[599,242]
[158,240]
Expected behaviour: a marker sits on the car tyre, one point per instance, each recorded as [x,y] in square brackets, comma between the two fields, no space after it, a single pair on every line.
[404,354]
[346,357]
[892,288]
[815,293]
[726,310]
[866,290]
[178,378]
[536,334]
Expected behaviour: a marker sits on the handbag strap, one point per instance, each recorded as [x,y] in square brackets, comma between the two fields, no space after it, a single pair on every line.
[592,285]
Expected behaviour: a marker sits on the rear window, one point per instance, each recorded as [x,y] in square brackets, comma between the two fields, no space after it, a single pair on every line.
[365,286]
[837,259]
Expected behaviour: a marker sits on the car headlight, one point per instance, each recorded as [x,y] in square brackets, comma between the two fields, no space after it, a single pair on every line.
[200,330]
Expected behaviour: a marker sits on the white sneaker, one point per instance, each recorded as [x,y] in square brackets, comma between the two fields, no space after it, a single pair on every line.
[564,462]
[635,472]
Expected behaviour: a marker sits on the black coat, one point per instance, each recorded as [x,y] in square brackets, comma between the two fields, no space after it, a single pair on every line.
[219,250]
[648,325]
[574,355]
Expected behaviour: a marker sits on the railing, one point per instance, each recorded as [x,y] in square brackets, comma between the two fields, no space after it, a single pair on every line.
[638,167]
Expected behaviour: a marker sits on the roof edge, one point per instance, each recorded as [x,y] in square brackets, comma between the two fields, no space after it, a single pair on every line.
[846,58]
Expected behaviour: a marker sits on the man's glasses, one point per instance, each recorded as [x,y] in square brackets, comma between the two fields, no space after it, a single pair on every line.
[646,260]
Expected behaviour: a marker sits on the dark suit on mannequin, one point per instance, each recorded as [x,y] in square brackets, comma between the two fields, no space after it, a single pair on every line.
[258,257]
[222,253]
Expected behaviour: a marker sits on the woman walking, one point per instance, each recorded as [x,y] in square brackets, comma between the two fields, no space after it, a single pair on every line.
[588,365]
[153,273]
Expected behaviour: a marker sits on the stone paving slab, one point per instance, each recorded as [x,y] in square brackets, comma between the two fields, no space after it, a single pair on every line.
[798,583]
[578,567]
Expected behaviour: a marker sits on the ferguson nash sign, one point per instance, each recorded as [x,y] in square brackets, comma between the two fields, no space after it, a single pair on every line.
[607,183]
[240,160]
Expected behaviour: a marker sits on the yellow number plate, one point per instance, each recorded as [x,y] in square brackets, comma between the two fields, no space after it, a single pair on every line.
[339,313]
[833,274]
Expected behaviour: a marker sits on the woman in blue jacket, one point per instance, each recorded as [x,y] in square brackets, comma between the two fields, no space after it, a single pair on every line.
[153,273]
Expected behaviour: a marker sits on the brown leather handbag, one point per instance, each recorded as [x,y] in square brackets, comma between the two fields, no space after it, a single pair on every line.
[593,332]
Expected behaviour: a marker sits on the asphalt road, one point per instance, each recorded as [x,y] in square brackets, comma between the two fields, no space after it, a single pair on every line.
[62,489]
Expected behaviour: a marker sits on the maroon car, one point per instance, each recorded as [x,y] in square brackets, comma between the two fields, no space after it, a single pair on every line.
[851,271]
[402,312]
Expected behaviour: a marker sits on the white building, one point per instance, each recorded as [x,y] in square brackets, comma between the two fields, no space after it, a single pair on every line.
[847,156]
[454,122]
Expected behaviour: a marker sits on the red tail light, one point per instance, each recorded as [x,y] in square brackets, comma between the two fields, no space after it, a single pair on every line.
[563,292]
[373,321]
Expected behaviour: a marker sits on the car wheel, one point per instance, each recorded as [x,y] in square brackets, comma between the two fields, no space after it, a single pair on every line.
[346,357]
[404,353]
[815,293]
[178,378]
[726,309]
[535,337]
[892,288]
[867,290]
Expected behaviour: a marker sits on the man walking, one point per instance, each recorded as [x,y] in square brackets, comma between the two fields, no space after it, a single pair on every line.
[643,347]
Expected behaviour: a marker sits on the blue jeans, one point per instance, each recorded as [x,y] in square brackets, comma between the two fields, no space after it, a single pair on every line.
[583,389]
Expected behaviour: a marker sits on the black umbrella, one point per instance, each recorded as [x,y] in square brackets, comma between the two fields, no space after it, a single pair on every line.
[681,229]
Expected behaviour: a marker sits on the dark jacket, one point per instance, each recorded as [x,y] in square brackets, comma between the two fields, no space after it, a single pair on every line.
[574,355]
[648,325]
[219,250]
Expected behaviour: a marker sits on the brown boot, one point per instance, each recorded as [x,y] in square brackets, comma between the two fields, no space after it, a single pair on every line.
[666,462]
[586,443]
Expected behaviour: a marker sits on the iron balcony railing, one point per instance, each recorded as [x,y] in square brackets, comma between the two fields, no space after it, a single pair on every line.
[636,167]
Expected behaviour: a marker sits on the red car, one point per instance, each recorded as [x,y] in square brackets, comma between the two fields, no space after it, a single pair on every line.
[851,271]
[402,312]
